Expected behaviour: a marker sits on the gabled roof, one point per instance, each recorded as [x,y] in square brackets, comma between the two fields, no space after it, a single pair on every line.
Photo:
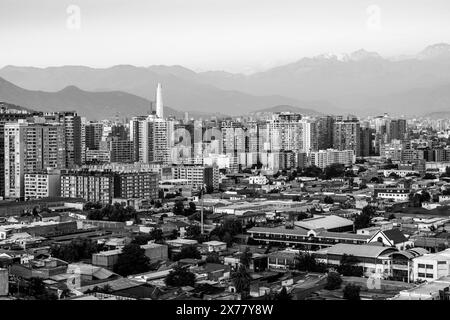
[395,235]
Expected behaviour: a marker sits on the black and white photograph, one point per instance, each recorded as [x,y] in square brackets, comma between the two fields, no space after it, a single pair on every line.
[229,156]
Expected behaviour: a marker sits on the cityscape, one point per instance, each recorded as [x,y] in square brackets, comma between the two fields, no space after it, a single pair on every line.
[132,183]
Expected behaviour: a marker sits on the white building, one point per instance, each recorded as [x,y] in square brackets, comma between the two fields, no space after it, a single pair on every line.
[324,158]
[197,176]
[215,246]
[30,147]
[432,266]
[396,194]
[261,180]
[42,185]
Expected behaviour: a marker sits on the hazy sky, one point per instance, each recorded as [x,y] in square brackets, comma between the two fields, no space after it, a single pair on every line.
[232,35]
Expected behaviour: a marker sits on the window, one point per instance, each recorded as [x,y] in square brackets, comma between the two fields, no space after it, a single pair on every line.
[442,262]
[421,275]
[429,266]
[421,265]
[429,275]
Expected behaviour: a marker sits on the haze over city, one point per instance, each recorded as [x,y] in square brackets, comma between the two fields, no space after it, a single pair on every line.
[235,36]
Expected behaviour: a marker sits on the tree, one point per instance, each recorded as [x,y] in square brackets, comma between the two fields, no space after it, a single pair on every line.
[348,267]
[334,281]
[328,200]
[429,176]
[351,292]
[311,171]
[192,207]
[180,277]
[283,295]
[305,261]
[363,220]
[116,212]
[246,257]
[212,257]
[157,235]
[425,196]
[334,170]
[78,249]
[142,239]
[241,280]
[394,175]
[189,252]
[178,207]
[193,232]
[376,180]
[415,199]
[36,288]
[132,260]
[227,230]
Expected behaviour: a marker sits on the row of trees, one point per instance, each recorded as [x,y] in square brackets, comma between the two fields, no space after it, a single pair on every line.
[351,291]
[33,288]
[78,249]
[112,212]
[364,219]
[226,232]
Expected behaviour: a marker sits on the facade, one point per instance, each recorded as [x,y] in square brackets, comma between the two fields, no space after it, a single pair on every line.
[106,259]
[97,156]
[93,135]
[260,180]
[282,260]
[197,176]
[137,185]
[372,259]
[29,148]
[396,194]
[4,282]
[156,252]
[152,139]
[42,185]
[71,123]
[121,151]
[5,117]
[430,267]
[324,158]
[346,135]
[91,186]
[312,239]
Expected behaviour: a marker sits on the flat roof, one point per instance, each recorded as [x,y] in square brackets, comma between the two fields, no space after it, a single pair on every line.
[109,252]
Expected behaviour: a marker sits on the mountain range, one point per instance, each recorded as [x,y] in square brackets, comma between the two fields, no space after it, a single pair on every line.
[361,83]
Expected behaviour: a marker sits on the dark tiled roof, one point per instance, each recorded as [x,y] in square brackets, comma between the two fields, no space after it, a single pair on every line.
[395,235]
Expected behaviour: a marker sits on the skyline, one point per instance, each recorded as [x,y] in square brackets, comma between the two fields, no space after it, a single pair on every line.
[246,38]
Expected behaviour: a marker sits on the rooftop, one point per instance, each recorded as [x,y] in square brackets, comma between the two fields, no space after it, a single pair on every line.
[325,222]
[361,250]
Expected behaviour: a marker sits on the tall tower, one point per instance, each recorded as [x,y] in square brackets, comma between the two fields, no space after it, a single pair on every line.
[159,102]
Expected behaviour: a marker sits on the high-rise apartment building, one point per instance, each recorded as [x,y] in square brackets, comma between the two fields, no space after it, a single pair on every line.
[325,132]
[346,135]
[31,147]
[72,135]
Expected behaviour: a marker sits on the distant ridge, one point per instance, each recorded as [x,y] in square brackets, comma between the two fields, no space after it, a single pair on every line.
[93,105]
[287,108]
